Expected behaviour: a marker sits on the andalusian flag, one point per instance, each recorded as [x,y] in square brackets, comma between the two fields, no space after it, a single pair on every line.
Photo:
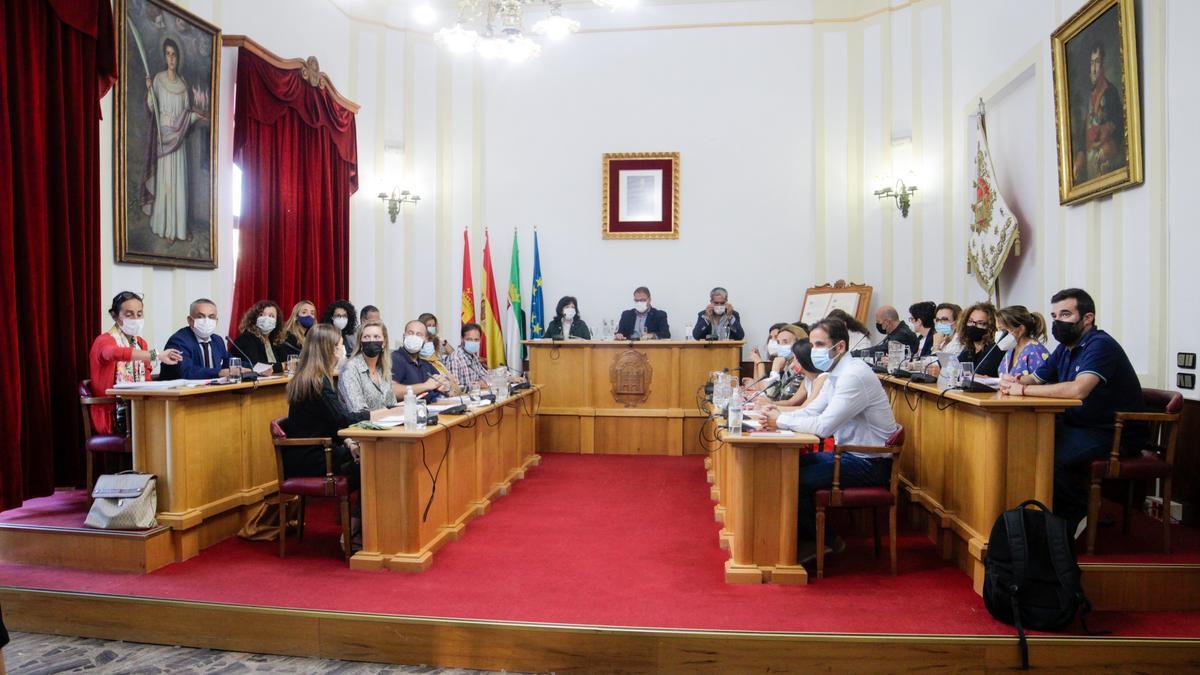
[468,289]
[489,318]
[537,321]
[514,318]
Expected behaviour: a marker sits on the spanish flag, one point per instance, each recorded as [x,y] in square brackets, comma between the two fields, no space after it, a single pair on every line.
[492,346]
[468,289]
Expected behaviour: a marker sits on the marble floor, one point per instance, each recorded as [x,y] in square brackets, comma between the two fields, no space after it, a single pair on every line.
[35,654]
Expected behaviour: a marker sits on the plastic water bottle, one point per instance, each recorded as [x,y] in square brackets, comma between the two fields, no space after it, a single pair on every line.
[735,411]
[410,410]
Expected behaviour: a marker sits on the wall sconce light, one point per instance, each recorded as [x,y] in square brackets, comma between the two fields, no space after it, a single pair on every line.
[395,199]
[901,192]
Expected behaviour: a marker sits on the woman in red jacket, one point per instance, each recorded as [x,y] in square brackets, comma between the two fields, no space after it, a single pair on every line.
[120,355]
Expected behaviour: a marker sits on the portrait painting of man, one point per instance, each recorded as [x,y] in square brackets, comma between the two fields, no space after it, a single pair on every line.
[1098,106]
[166,136]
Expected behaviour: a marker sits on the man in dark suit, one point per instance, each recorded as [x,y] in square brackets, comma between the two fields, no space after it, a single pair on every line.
[643,322]
[204,353]
[888,323]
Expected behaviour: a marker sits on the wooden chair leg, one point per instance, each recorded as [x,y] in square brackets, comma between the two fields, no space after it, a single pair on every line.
[345,512]
[282,524]
[1093,516]
[875,527]
[892,536]
[820,542]
[300,525]
[1166,511]
[91,471]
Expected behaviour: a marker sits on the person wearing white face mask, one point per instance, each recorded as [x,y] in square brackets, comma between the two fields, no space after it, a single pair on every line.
[567,323]
[854,411]
[204,353]
[410,370]
[122,355]
[761,364]
[643,322]
[260,336]
[782,382]
[718,319]
[1021,335]
[341,315]
[464,363]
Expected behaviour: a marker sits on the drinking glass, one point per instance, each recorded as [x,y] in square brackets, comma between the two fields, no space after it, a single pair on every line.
[475,392]
[293,364]
[967,373]
[235,369]
[422,415]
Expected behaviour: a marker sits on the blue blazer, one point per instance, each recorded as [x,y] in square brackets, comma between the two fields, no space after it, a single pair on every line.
[656,322]
[192,365]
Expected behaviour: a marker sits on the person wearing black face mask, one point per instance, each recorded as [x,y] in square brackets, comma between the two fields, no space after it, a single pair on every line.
[889,325]
[365,383]
[1091,366]
[977,330]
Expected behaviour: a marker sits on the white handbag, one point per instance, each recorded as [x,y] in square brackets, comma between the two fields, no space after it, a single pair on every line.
[123,501]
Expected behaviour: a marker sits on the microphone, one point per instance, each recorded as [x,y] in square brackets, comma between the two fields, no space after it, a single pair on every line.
[980,387]
[250,376]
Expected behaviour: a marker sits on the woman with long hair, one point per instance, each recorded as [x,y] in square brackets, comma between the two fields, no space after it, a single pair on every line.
[1024,346]
[977,331]
[860,335]
[260,335]
[302,318]
[365,382]
[441,347]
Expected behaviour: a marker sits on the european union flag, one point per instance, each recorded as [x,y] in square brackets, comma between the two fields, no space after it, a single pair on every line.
[537,323]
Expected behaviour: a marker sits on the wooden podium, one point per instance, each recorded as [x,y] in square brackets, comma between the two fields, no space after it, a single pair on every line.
[608,397]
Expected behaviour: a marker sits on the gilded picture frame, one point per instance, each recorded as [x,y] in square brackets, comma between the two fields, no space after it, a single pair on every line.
[641,195]
[165,129]
[1097,101]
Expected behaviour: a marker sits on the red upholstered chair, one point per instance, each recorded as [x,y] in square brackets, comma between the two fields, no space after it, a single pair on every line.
[872,498]
[1155,461]
[93,442]
[303,487]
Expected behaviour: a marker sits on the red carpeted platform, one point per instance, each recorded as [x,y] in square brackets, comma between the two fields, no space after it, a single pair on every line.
[594,540]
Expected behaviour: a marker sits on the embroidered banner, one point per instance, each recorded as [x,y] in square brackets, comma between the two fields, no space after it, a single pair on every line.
[994,229]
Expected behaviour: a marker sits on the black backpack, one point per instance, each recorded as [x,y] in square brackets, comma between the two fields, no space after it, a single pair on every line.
[1031,577]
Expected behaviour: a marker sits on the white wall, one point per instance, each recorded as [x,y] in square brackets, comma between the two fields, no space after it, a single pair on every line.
[783,113]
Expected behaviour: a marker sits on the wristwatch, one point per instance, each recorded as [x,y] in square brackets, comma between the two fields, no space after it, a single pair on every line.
[153,356]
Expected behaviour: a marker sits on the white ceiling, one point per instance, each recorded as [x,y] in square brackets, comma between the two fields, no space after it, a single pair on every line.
[399,12]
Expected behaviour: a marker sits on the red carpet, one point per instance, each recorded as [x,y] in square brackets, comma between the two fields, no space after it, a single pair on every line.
[599,540]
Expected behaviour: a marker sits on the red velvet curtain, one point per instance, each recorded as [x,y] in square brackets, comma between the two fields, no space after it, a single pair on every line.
[57,59]
[298,153]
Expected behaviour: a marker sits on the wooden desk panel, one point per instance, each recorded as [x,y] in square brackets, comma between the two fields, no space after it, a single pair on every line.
[211,449]
[484,451]
[758,480]
[969,457]
[579,413]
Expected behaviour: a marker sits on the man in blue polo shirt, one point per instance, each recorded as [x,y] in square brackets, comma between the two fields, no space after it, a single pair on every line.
[410,370]
[1089,365]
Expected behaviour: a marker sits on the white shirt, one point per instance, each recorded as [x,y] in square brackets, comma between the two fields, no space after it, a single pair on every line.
[852,407]
[858,341]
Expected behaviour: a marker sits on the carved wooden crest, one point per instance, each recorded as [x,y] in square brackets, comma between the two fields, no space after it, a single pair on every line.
[311,71]
[630,374]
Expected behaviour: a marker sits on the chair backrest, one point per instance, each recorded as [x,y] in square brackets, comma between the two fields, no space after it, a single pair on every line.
[896,439]
[1160,400]
[277,431]
[85,388]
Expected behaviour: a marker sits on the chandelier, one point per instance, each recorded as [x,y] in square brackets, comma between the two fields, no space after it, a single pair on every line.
[495,28]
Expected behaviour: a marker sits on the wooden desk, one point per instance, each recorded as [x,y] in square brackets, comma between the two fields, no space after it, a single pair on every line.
[475,457]
[971,460]
[210,448]
[612,397]
[756,486]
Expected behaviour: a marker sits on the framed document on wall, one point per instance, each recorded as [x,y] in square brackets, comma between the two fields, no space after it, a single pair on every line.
[819,301]
[641,195]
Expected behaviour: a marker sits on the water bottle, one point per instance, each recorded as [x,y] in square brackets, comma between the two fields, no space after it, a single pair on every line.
[410,410]
[735,412]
